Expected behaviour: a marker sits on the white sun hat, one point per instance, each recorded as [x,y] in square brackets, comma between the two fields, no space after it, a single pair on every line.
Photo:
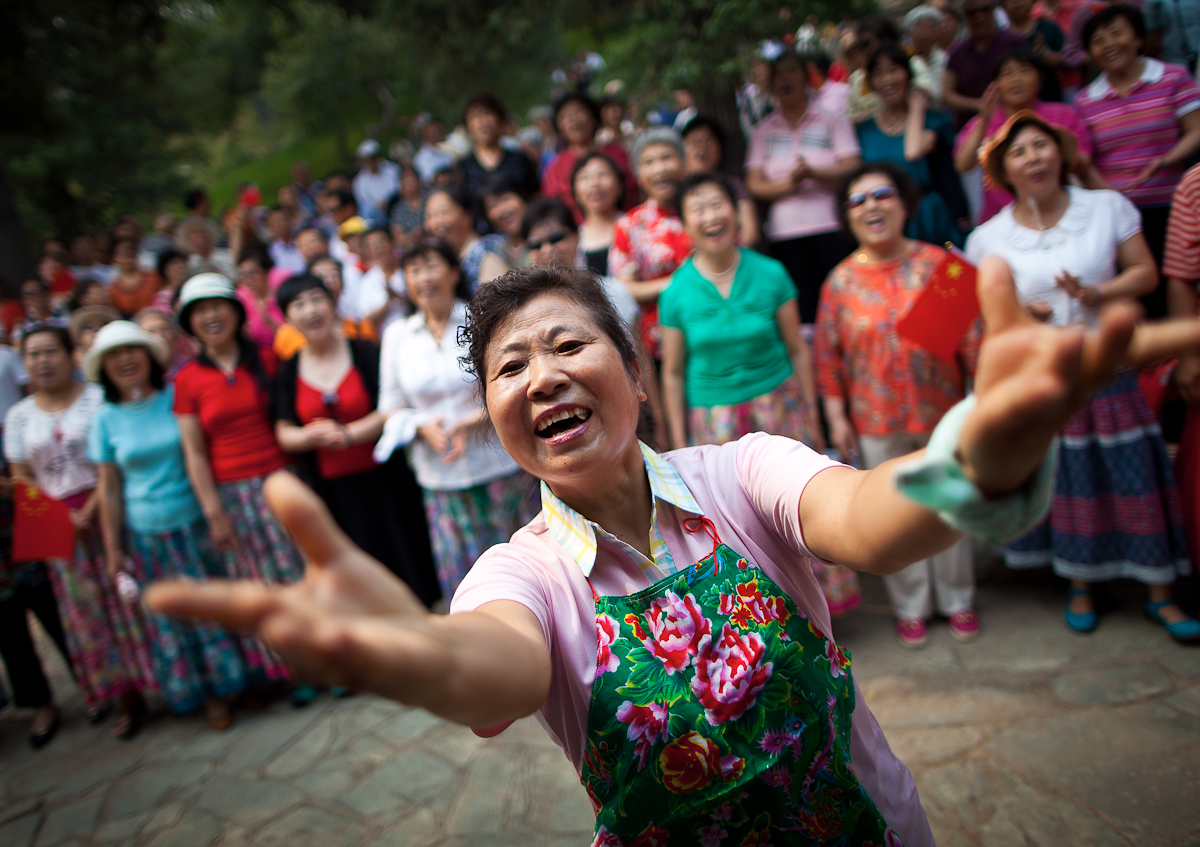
[122,334]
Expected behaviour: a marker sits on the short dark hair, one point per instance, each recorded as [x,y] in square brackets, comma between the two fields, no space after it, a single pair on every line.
[158,379]
[457,194]
[547,209]
[495,302]
[1107,15]
[704,122]
[192,199]
[499,183]
[1022,56]
[255,253]
[894,53]
[785,56]
[582,162]
[344,198]
[379,230]
[317,230]
[488,101]
[165,258]
[694,181]
[820,60]
[294,286]
[60,332]
[325,258]
[910,196]
[437,247]
[881,26]
[580,98]
[82,287]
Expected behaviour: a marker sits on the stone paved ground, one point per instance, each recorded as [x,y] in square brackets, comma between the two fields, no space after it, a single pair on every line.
[1031,736]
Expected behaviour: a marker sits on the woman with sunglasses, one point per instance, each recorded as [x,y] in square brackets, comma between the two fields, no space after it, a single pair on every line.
[475,495]
[883,395]
[324,403]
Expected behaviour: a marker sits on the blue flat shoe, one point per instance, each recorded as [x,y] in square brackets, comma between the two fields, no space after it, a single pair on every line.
[303,695]
[1081,622]
[1187,631]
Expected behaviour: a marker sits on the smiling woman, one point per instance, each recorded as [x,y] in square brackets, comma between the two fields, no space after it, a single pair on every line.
[660,616]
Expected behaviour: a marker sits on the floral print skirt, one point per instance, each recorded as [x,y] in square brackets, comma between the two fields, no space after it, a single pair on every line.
[464,523]
[265,553]
[192,660]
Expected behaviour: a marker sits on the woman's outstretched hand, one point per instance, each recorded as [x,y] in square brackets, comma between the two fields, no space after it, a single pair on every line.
[350,622]
[1032,377]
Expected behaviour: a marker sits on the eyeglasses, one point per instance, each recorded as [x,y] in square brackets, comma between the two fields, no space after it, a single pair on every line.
[535,244]
[878,194]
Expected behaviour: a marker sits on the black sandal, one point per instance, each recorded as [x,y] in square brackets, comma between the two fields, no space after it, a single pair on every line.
[40,738]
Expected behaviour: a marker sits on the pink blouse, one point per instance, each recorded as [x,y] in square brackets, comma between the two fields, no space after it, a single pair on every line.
[257,329]
[750,489]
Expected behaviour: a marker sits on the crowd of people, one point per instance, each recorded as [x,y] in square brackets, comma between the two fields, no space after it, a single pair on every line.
[153,382]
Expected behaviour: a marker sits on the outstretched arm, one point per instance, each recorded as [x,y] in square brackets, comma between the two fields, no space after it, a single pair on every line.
[1032,377]
[350,622]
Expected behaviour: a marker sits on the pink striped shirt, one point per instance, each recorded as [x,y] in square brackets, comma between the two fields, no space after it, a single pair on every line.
[1131,130]
[1182,256]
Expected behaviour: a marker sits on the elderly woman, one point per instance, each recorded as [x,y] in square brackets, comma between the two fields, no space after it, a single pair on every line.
[907,133]
[45,438]
[639,616]
[325,401]
[648,241]
[448,218]
[475,495]
[153,526]
[704,153]
[599,192]
[796,157]
[1015,89]
[221,404]
[884,395]
[576,117]
[928,62]
[1072,251]
[484,116]
[1144,117]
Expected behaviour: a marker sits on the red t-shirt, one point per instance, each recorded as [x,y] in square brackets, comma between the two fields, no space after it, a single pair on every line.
[234,417]
[350,403]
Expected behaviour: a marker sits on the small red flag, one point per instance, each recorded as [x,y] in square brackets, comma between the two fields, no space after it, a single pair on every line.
[942,313]
[42,526]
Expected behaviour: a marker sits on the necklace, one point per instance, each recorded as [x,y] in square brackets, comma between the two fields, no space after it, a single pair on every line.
[894,127]
[723,280]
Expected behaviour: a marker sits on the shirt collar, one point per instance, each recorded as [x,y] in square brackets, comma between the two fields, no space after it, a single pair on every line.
[577,534]
[1152,71]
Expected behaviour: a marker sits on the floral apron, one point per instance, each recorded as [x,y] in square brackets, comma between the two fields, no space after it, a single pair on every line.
[721,716]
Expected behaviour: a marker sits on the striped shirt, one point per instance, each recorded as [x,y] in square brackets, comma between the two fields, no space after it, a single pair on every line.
[1181,258]
[1129,131]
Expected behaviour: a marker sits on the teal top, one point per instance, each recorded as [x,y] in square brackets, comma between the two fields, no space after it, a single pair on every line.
[142,440]
[734,350]
[878,146]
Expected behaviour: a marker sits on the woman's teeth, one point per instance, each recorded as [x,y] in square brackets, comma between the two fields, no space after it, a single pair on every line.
[562,420]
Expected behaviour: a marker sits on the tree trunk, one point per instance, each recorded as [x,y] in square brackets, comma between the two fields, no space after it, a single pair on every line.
[16,262]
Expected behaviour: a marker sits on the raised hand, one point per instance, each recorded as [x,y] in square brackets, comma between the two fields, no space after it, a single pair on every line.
[1033,377]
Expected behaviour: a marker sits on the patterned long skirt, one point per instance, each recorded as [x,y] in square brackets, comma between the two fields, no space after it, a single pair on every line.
[780,411]
[265,553]
[106,638]
[1116,510]
[193,661]
[464,523]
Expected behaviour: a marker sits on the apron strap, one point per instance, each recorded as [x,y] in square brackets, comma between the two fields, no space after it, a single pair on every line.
[698,523]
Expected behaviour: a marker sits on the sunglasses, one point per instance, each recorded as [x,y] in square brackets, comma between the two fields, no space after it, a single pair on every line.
[878,193]
[535,244]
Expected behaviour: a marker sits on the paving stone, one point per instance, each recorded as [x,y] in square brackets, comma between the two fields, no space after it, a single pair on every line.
[902,702]
[149,786]
[19,809]
[876,652]
[312,825]
[416,777]
[331,778]
[930,745]
[1111,686]
[265,734]
[72,775]
[308,748]
[558,801]
[490,795]
[122,830]
[1181,661]
[247,801]
[74,820]
[1186,701]
[194,829]
[417,829]
[1137,772]
[167,815]
[458,744]
[407,726]
[20,831]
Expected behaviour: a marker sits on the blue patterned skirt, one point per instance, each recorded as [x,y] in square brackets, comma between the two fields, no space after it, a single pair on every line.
[193,661]
[1116,510]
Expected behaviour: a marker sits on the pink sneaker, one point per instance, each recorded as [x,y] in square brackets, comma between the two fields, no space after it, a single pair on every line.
[964,625]
[912,634]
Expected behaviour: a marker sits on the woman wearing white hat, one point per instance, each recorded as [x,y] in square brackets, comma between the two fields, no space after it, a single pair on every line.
[153,526]
[221,403]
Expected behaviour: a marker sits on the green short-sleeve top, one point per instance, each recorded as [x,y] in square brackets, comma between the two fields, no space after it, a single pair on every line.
[734,350]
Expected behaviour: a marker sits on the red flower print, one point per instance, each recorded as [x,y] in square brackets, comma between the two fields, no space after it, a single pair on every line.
[757,839]
[748,606]
[604,838]
[779,776]
[607,632]
[722,813]
[647,725]
[676,628]
[837,659]
[689,763]
[742,564]
[651,836]
[729,674]
[710,836]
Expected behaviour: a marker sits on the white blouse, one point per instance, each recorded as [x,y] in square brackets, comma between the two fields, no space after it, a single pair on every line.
[420,381]
[54,445]
[1083,242]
